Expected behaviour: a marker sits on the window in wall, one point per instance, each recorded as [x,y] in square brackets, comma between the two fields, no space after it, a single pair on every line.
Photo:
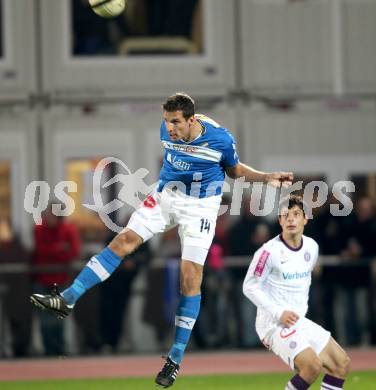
[81,172]
[146,27]
[5,190]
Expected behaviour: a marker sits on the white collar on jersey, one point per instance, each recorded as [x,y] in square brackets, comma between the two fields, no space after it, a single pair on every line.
[289,246]
[202,132]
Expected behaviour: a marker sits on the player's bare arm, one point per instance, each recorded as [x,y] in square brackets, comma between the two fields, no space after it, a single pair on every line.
[288,318]
[276,179]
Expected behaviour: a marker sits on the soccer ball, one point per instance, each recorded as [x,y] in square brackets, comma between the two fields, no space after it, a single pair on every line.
[108,8]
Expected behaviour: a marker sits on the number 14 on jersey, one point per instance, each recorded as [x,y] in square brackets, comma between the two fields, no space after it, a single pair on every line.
[205,225]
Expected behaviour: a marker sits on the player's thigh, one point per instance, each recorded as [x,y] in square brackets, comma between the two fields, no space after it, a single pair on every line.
[317,336]
[335,359]
[197,227]
[288,343]
[305,334]
[196,240]
[149,218]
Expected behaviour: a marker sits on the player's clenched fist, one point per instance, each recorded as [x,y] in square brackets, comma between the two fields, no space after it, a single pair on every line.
[288,318]
[280,179]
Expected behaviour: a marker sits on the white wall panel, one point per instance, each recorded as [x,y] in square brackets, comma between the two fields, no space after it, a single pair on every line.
[311,134]
[17,67]
[287,46]
[359,30]
[208,74]
[73,135]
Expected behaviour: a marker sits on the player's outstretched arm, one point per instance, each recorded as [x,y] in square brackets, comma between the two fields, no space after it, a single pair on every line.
[276,179]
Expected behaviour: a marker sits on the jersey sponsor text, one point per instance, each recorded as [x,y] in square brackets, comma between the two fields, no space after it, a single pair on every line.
[261,263]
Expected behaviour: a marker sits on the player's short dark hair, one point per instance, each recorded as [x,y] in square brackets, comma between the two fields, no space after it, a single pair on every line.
[180,101]
[293,200]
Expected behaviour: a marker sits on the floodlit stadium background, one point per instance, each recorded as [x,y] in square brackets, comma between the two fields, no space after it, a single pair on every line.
[294,81]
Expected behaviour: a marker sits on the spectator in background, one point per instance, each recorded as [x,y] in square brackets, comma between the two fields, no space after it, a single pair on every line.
[57,245]
[16,286]
[246,235]
[260,235]
[329,230]
[361,231]
[222,228]
[116,294]
[162,289]
[241,232]
[359,247]
[211,327]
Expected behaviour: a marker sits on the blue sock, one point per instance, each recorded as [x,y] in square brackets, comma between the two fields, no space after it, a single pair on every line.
[98,269]
[186,315]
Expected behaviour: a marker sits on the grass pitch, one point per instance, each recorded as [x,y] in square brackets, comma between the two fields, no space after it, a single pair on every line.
[364,380]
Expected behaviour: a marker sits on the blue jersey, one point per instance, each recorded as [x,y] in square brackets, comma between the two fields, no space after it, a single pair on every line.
[198,167]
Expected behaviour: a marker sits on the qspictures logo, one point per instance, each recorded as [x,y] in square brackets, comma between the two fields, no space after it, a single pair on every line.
[134,190]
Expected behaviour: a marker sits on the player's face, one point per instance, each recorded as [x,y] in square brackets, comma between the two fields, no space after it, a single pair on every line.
[177,126]
[292,221]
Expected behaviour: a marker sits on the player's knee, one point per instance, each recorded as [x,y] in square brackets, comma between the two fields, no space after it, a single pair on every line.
[315,367]
[343,366]
[312,369]
[125,243]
